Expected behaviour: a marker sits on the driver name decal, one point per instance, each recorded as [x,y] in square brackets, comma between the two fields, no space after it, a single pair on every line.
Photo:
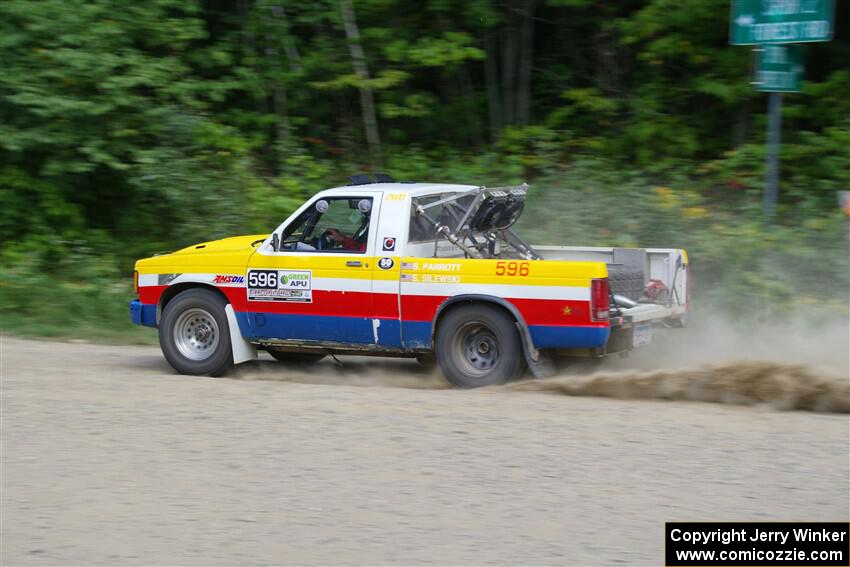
[280,285]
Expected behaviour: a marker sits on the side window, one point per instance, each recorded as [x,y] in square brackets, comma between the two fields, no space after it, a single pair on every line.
[338,224]
[420,229]
[450,213]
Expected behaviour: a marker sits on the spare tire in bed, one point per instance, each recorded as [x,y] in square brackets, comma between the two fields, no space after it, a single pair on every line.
[626,281]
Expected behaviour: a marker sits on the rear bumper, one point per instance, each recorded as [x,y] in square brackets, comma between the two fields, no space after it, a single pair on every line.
[142,313]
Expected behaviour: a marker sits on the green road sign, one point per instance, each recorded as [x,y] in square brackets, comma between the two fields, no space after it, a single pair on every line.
[779,68]
[781,21]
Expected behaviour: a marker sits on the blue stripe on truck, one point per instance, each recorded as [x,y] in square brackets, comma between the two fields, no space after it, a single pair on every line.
[552,336]
[321,328]
[417,334]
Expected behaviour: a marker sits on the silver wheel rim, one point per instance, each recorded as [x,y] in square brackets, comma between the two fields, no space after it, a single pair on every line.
[196,334]
[477,349]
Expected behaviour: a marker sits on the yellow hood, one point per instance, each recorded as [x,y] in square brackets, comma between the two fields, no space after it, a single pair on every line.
[232,244]
[228,255]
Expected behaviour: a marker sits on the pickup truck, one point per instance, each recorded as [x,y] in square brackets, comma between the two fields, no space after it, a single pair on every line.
[420,270]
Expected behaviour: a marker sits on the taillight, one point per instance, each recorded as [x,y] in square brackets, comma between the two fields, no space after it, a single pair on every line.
[599,301]
[136,282]
[688,287]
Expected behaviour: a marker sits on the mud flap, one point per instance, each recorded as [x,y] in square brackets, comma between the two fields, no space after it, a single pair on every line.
[541,363]
[544,366]
[243,351]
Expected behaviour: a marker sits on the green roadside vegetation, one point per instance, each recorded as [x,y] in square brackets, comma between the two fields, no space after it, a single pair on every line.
[130,129]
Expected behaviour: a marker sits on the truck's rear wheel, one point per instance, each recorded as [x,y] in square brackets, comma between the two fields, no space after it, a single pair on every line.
[194,335]
[295,357]
[478,345]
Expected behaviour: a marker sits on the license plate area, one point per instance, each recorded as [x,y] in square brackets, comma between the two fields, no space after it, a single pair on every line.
[641,335]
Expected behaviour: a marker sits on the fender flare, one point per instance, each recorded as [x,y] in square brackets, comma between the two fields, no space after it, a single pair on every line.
[539,364]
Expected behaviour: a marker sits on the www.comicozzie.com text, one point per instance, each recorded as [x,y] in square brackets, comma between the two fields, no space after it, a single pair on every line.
[726,536]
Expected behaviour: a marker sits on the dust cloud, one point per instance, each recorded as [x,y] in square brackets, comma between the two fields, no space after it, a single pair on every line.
[780,385]
[793,365]
[361,371]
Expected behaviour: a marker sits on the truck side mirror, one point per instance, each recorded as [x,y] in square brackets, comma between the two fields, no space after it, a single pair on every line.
[275,241]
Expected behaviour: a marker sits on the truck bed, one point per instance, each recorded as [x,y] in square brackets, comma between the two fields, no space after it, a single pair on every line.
[668,265]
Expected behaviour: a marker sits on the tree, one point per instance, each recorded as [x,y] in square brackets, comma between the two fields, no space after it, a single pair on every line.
[358,61]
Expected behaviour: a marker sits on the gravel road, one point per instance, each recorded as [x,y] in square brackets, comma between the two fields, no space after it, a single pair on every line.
[108,457]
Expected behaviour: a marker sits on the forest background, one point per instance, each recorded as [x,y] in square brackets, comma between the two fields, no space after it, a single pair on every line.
[128,129]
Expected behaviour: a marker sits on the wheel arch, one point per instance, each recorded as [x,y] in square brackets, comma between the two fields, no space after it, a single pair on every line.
[241,349]
[173,291]
[532,355]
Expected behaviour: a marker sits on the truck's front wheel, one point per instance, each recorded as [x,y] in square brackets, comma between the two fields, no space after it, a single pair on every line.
[478,345]
[194,335]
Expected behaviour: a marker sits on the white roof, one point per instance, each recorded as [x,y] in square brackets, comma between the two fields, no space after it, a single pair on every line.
[413,189]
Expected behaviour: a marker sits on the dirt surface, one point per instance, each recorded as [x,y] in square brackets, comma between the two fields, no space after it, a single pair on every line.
[109,457]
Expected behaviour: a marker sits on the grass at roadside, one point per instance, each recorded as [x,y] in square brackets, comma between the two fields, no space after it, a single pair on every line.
[48,306]
[89,331]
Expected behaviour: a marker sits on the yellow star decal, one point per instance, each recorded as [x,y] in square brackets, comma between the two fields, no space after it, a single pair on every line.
[566,310]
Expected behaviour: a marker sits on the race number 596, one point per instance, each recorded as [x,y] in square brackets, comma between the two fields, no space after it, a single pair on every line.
[512,268]
[264,279]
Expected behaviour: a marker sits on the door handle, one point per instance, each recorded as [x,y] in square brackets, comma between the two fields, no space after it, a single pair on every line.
[354,263]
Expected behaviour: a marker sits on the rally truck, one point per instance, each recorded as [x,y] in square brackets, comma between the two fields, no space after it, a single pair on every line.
[430,271]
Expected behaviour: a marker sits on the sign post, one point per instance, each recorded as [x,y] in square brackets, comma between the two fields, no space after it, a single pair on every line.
[773,24]
[779,69]
[771,160]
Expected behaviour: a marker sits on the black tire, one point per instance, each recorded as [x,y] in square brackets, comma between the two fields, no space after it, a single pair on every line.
[478,345]
[194,335]
[626,281]
[299,358]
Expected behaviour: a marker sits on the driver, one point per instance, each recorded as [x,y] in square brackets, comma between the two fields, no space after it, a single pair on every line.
[347,242]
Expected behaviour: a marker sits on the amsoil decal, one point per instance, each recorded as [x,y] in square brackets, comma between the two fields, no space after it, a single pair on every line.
[389,243]
[228,279]
[280,285]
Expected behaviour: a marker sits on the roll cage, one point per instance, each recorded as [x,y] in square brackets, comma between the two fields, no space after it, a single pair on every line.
[479,221]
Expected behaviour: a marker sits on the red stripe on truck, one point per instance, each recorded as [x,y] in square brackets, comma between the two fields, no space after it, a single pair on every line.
[385,306]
